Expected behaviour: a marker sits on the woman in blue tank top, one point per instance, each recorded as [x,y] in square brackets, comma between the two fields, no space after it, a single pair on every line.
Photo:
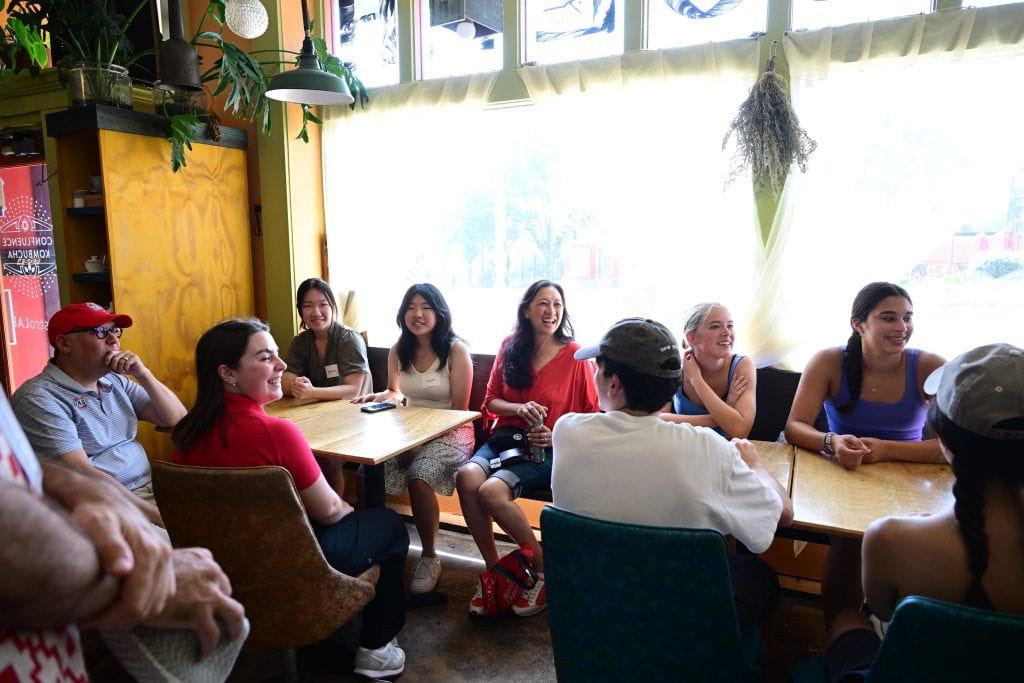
[718,387]
[873,394]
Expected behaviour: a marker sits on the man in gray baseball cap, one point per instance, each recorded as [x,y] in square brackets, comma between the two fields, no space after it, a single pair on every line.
[981,389]
[628,465]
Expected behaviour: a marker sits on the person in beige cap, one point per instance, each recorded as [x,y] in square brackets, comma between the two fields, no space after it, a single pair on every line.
[971,553]
[84,411]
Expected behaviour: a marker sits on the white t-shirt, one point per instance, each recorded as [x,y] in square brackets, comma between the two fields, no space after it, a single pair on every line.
[643,470]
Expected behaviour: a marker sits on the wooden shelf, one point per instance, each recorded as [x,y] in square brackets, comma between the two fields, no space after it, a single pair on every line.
[86,211]
[91,277]
[100,117]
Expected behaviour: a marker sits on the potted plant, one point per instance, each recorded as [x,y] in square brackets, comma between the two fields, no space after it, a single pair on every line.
[241,75]
[91,34]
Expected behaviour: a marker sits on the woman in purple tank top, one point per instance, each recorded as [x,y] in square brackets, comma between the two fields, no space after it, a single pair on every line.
[873,394]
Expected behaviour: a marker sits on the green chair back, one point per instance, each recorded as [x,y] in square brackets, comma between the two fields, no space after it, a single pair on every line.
[931,640]
[629,602]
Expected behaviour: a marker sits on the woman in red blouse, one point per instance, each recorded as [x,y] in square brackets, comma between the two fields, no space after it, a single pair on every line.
[534,381]
[238,370]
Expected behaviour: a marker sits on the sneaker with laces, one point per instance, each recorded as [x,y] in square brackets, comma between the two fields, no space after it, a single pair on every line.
[532,601]
[385,661]
[425,573]
[476,604]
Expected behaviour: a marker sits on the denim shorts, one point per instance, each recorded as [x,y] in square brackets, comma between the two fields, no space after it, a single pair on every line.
[523,477]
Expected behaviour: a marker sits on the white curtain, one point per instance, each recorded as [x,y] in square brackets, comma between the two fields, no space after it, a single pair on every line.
[918,179]
[611,181]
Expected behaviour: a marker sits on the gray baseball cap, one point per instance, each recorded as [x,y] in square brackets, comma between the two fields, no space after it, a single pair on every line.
[644,345]
[979,389]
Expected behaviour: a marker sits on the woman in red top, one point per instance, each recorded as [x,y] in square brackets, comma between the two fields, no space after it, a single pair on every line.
[238,370]
[534,381]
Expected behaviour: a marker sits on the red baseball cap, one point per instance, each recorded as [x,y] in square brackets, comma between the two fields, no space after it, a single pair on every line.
[82,315]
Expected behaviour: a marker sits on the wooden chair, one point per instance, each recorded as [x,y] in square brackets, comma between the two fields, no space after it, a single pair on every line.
[931,640]
[252,520]
[633,602]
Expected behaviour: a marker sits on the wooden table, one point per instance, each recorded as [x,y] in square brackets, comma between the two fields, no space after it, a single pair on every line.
[831,499]
[340,430]
[777,458]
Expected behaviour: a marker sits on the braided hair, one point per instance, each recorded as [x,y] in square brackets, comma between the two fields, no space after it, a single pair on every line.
[517,358]
[978,461]
[853,357]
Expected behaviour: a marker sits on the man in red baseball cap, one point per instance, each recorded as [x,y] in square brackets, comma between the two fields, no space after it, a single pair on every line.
[84,411]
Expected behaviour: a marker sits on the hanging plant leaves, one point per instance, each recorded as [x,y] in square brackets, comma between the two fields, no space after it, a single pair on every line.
[769,138]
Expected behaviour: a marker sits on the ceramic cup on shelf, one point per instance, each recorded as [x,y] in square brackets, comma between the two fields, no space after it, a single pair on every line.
[93,264]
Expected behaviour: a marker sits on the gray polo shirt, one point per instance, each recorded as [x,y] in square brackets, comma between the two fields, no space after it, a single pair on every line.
[59,415]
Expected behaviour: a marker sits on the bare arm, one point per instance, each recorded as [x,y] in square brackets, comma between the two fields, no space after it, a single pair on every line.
[393,376]
[810,396]
[322,503]
[737,420]
[461,367]
[695,420]
[164,409]
[287,379]
[129,546]
[301,387]
[881,556]
[748,452]
[78,459]
[51,574]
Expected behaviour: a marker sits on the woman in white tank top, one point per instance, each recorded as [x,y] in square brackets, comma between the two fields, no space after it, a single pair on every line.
[431,367]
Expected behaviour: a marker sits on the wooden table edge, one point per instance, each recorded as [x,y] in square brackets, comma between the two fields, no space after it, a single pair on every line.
[469,416]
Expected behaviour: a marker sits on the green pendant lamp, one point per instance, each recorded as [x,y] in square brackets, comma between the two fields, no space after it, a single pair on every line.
[308,83]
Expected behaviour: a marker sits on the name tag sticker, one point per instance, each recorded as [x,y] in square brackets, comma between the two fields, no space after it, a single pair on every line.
[331,370]
[431,381]
[81,403]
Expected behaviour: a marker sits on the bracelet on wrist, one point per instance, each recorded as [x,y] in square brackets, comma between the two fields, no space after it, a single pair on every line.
[826,443]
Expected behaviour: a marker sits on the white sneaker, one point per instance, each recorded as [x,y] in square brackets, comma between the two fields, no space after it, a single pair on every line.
[476,603]
[532,601]
[425,573]
[385,661]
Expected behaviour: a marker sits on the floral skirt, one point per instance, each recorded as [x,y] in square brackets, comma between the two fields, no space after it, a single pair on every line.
[435,462]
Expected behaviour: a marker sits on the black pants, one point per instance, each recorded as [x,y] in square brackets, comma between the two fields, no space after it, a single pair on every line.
[755,588]
[355,543]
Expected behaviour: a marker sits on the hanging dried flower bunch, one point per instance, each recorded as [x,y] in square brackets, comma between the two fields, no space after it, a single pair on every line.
[768,134]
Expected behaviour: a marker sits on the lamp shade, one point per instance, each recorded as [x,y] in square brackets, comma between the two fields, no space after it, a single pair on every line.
[176,59]
[308,83]
[247,18]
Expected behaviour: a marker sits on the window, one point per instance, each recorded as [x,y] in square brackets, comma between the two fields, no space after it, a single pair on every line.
[560,31]
[454,45]
[918,179]
[368,40]
[616,194]
[813,14]
[674,23]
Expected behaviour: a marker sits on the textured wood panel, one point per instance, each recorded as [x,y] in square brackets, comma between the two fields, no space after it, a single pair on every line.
[179,252]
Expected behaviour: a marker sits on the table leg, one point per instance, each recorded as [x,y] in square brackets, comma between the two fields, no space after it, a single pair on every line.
[373,481]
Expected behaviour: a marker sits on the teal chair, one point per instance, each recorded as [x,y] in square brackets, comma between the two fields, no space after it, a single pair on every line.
[930,640]
[639,603]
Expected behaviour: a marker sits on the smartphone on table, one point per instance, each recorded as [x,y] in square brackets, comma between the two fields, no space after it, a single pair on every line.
[377,407]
